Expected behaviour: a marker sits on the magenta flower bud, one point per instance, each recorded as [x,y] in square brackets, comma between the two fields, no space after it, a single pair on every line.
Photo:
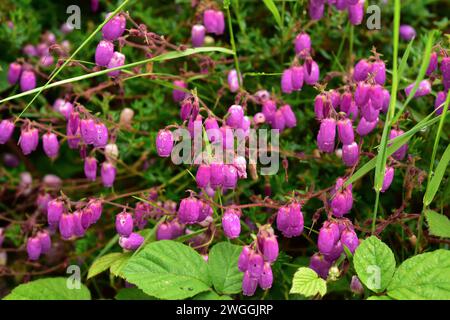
[164,231]
[66,226]
[108,174]
[311,72]
[214,21]
[401,152]
[266,279]
[29,139]
[233,81]
[336,252]
[388,178]
[34,248]
[217,175]
[445,70]
[14,72]
[269,108]
[134,241]
[270,248]
[65,108]
[335,98]
[438,105]
[88,130]
[74,121]
[345,131]
[320,265]
[205,211]
[104,53]
[326,135]
[185,110]
[259,118]
[328,235]
[124,224]
[50,144]
[286,81]
[55,210]
[355,286]
[379,71]
[350,154]
[90,168]
[297,78]
[30,50]
[362,94]
[302,44]
[212,129]
[341,5]
[316,9]
[227,137]
[369,112]
[115,27]
[278,121]
[249,284]
[289,116]
[423,89]
[365,127]
[86,218]
[96,207]
[320,108]
[6,130]
[342,201]
[361,70]
[101,135]
[27,80]
[231,223]
[230,177]
[349,239]
[198,35]
[78,229]
[177,94]
[117,60]
[407,32]
[203,175]
[164,143]
[47,61]
[244,258]
[241,166]
[235,116]
[189,210]
[45,240]
[356,13]
[42,201]
[353,111]
[255,265]
[290,220]
[386,100]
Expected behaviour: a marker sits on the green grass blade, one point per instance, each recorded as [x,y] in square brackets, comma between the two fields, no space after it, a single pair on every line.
[435,182]
[276,14]
[404,61]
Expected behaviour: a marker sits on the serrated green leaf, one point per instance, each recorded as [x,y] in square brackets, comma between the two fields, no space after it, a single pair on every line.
[374,263]
[132,294]
[425,276]
[103,263]
[306,282]
[435,182]
[168,270]
[438,224]
[276,14]
[117,266]
[210,295]
[48,289]
[222,262]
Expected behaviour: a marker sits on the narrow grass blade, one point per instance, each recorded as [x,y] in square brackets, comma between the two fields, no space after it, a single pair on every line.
[435,182]
[276,14]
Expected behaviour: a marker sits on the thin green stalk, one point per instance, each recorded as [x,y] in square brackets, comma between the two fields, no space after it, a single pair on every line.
[85,42]
[382,155]
[350,40]
[233,46]
[430,172]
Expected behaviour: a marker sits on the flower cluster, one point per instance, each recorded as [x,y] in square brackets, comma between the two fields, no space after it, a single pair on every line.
[355,9]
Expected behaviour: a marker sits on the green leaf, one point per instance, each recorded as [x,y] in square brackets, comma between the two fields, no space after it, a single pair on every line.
[379,298]
[438,224]
[103,263]
[374,263]
[425,276]
[132,294]
[437,177]
[168,270]
[117,266]
[222,262]
[276,14]
[210,295]
[308,283]
[48,289]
